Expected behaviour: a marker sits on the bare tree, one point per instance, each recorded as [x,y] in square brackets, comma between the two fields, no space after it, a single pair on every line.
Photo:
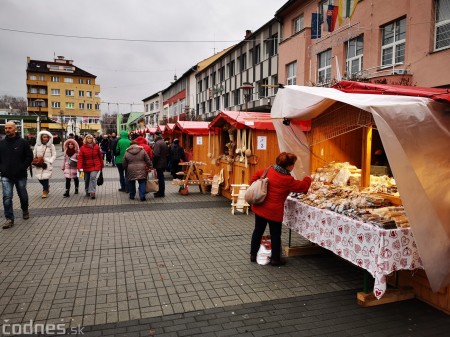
[109,122]
[14,103]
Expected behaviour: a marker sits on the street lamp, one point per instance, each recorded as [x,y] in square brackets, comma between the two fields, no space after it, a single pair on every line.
[246,88]
[40,103]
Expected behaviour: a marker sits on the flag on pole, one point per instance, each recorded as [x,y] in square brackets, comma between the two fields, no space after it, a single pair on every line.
[332,14]
[346,9]
[316,26]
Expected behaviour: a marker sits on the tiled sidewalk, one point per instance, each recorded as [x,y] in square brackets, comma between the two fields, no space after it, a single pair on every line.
[173,266]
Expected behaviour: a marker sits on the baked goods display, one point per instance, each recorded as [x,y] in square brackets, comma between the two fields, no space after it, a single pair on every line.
[336,187]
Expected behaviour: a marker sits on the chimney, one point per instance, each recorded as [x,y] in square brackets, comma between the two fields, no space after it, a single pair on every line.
[248,32]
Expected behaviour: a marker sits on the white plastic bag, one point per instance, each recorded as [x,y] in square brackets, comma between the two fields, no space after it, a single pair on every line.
[265,252]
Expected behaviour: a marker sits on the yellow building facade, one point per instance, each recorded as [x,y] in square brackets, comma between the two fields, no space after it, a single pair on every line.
[69,96]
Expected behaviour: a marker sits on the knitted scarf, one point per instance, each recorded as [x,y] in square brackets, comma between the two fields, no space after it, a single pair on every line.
[281,170]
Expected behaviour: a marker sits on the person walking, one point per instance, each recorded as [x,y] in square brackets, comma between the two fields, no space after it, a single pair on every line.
[136,163]
[142,142]
[271,210]
[104,146]
[176,154]
[15,158]
[90,161]
[44,148]
[112,148]
[160,153]
[122,145]
[69,165]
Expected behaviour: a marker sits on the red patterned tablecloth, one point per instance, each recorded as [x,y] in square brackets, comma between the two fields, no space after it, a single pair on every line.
[377,250]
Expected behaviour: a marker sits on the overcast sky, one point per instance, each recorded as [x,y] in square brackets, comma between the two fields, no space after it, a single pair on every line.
[126,71]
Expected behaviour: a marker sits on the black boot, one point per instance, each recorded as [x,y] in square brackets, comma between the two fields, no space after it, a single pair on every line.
[66,195]
[76,190]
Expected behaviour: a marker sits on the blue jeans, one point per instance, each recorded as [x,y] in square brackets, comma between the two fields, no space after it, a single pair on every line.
[161,183]
[8,187]
[275,236]
[122,177]
[141,188]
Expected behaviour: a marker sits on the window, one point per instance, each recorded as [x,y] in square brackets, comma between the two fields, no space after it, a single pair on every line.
[199,86]
[298,24]
[263,88]
[81,106]
[236,97]
[68,80]
[89,93]
[323,6]
[291,72]
[88,81]
[275,82]
[89,106]
[355,56]
[33,90]
[32,77]
[152,106]
[271,46]
[55,79]
[42,91]
[81,93]
[55,92]
[244,61]
[146,107]
[156,105]
[41,78]
[97,106]
[222,74]
[393,43]
[70,93]
[206,80]
[80,81]
[231,69]
[217,103]
[70,105]
[210,105]
[324,71]
[213,78]
[442,28]
[226,100]
[257,54]
[56,104]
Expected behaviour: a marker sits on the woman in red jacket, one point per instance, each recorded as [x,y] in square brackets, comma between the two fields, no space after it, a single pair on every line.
[90,161]
[271,210]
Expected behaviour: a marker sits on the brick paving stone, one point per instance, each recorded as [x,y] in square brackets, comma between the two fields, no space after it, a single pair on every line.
[183,260]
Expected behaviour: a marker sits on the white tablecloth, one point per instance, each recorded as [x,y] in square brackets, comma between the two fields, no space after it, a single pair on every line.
[377,250]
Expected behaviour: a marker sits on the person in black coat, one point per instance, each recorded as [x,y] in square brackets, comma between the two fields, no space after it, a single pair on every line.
[176,154]
[15,158]
[160,153]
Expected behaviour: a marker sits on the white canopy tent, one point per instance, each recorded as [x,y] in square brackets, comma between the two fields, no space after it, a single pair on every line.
[415,132]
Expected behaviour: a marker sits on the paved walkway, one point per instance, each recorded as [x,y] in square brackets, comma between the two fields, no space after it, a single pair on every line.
[176,266]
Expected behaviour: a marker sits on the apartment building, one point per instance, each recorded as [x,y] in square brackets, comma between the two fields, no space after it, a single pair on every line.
[63,93]
[152,109]
[394,42]
[253,62]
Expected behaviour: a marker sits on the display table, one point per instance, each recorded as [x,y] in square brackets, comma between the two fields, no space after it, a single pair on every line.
[193,175]
[377,250]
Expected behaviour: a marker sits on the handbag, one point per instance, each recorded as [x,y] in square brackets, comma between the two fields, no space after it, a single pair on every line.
[184,190]
[257,191]
[151,185]
[100,179]
[38,161]
[73,162]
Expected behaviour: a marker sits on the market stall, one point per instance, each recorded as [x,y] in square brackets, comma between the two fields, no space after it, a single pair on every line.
[167,131]
[194,137]
[411,127]
[241,143]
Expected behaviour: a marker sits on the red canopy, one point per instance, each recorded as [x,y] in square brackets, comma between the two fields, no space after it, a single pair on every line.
[241,120]
[152,130]
[437,94]
[192,127]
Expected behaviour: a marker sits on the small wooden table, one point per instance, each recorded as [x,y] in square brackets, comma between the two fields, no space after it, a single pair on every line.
[193,175]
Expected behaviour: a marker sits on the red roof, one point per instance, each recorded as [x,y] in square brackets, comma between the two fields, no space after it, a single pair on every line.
[437,94]
[192,127]
[241,120]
